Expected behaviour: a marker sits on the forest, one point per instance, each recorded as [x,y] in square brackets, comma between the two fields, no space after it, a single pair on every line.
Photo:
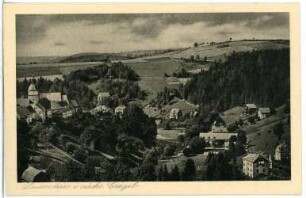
[260,77]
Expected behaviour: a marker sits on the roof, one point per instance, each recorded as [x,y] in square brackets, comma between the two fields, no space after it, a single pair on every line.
[232,115]
[264,110]
[30,173]
[253,157]
[103,94]
[251,106]
[281,147]
[152,112]
[55,105]
[32,87]
[183,105]
[52,96]
[217,136]
[38,105]
[25,111]
[24,102]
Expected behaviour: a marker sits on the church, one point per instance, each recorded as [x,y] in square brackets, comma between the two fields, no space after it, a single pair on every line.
[59,103]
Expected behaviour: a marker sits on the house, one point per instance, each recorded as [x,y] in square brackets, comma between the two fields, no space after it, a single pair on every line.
[232,116]
[263,112]
[26,113]
[185,107]
[102,96]
[23,102]
[53,96]
[120,110]
[64,112]
[32,174]
[40,110]
[218,128]
[74,104]
[251,108]
[175,113]
[255,165]
[217,139]
[282,152]
[100,108]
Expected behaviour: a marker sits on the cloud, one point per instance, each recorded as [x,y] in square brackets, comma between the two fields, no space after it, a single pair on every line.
[39,35]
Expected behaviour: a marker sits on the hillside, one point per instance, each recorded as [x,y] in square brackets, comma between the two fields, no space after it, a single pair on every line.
[243,79]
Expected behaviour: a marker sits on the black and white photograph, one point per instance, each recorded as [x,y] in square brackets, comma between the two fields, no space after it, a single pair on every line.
[153,97]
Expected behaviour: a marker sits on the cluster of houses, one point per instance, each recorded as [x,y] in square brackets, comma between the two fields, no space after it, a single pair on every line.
[32,108]
[101,107]
[257,165]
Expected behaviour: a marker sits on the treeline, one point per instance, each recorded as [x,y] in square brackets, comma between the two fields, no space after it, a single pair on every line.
[261,77]
[116,70]
[117,79]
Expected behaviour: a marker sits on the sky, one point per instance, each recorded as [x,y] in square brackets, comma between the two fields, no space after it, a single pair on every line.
[62,35]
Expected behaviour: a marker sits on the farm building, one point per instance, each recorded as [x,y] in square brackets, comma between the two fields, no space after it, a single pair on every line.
[263,112]
[231,116]
[32,174]
[184,106]
[251,108]
[255,165]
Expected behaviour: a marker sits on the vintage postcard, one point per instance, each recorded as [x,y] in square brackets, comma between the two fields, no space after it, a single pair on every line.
[152,99]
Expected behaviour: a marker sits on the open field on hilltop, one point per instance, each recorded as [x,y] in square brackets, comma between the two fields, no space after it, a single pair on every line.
[213,52]
[155,68]
[51,68]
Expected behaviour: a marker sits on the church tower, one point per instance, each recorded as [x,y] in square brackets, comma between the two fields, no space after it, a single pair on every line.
[33,94]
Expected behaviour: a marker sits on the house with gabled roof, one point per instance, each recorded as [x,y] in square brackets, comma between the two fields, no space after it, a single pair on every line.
[255,165]
[32,174]
[263,112]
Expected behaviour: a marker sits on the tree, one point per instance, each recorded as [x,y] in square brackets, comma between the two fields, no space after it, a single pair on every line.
[197,145]
[146,172]
[175,174]
[279,130]
[165,176]
[189,171]
[180,139]
[45,103]
[169,150]
[195,44]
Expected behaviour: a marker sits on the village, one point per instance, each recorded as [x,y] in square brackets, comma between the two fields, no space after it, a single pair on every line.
[235,132]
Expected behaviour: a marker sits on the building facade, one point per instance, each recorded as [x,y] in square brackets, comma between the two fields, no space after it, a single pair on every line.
[255,165]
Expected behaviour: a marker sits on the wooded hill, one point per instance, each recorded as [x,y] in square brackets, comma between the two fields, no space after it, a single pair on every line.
[260,77]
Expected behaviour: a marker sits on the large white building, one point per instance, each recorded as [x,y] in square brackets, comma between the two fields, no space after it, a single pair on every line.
[255,165]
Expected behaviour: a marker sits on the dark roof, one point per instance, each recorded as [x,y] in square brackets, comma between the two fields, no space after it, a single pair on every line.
[254,157]
[25,111]
[24,102]
[264,110]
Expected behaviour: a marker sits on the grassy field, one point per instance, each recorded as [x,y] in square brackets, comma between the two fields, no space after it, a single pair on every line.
[215,53]
[51,68]
[261,133]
